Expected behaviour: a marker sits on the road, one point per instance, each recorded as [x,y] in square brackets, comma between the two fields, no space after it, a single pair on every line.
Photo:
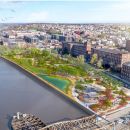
[118,116]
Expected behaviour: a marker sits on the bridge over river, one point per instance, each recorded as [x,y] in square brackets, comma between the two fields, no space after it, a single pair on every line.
[21,91]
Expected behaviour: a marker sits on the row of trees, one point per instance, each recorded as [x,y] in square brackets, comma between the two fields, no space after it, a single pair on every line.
[13,50]
[35,53]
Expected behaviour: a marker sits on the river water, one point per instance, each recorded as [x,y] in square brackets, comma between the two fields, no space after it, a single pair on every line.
[21,92]
[2,28]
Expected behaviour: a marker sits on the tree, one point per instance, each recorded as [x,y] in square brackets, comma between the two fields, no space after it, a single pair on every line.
[120,84]
[46,52]
[122,93]
[107,103]
[116,44]
[94,59]
[81,58]
[99,63]
[80,87]
[49,70]
[5,53]
[41,62]
[123,100]
[115,87]
[34,52]
[55,51]
[80,40]
[30,61]
[13,52]
[92,39]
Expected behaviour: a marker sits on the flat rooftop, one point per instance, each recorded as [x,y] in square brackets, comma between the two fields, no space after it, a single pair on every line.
[127,63]
[76,43]
[113,51]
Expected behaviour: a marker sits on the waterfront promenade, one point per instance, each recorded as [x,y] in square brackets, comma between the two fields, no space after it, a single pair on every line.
[20,91]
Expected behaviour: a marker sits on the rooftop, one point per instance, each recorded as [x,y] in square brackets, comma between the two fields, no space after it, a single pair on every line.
[113,51]
[76,43]
[127,63]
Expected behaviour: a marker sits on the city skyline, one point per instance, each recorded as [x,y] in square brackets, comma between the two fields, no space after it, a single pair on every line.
[64,12]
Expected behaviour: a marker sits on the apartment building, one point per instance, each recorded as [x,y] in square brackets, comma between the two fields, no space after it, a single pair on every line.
[125,71]
[12,42]
[31,39]
[128,45]
[10,35]
[62,38]
[45,37]
[112,57]
[77,48]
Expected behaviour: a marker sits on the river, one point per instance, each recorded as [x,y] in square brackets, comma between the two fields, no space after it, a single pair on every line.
[2,28]
[21,92]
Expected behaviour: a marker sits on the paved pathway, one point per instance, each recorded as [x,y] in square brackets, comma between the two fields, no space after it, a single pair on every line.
[82,103]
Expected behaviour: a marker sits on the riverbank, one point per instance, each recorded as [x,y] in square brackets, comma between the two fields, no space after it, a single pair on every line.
[41,71]
[22,91]
[28,70]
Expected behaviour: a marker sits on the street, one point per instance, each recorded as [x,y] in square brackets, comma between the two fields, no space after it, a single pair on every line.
[119,116]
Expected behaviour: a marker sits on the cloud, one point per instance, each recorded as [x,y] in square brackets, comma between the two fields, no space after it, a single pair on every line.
[123,6]
[38,17]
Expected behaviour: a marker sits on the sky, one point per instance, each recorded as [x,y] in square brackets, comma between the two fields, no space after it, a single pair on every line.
[65,11]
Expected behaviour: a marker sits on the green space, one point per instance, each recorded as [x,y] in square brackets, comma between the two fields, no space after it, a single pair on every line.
[73,70]
[45,63]
[35,28]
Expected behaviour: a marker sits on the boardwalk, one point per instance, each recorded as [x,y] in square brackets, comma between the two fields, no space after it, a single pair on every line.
[19,91]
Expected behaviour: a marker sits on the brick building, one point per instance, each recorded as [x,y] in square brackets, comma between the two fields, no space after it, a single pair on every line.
[76,49]
[128,45]
[125,71]
[112,57]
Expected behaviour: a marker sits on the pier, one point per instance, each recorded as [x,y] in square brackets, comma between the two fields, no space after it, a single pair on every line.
[26,122]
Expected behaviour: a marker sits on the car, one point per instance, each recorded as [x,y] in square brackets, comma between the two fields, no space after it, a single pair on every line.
[116,122]
[125,122]
[124,118]
[128,117]
[119,121]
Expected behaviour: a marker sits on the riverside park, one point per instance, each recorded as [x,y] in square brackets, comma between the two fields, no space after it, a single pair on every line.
[89,87]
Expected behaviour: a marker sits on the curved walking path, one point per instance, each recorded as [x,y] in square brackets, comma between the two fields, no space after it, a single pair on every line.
[86,105]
